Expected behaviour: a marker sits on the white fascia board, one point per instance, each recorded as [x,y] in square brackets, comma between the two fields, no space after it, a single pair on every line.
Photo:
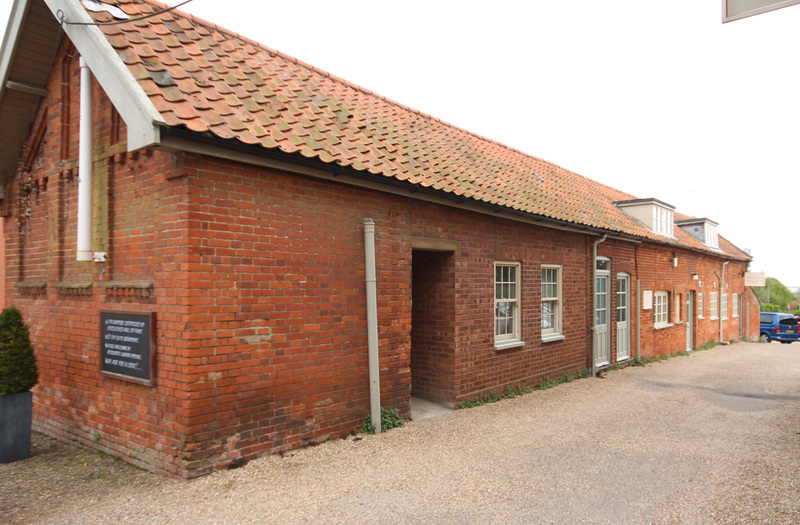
[7,52]
[140,115]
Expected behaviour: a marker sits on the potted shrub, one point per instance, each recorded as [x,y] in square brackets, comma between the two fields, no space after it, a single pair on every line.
[18,374]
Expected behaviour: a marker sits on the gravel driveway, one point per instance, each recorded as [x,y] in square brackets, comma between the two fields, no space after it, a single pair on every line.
[713,437]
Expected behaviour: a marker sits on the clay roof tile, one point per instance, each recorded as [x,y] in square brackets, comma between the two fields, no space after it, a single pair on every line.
[237,89]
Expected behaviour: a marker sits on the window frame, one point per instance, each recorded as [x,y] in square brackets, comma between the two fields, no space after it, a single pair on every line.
[699,305]
[735,305]
[512,339]
[663,221]
[713,305]
[661,309]
[724,306]
[711,236]
[627,295]
[557,331]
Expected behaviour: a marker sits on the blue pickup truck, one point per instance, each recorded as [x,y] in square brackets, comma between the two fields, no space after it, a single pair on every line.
[779,327]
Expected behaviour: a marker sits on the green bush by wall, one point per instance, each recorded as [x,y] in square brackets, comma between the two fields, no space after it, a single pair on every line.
[18,371]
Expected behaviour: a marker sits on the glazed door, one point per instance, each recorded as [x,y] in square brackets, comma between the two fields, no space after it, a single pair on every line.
[602,352]
[690,321]
[623,318]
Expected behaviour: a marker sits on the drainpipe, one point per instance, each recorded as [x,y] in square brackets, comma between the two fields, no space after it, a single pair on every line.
[372,325]
[721,291]
[84,249]
[594,298]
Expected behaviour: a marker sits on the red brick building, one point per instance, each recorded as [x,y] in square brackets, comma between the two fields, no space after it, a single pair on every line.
[195,262]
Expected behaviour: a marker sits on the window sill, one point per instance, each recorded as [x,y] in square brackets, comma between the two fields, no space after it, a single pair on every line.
[662,326]
[553,337]
[505,345]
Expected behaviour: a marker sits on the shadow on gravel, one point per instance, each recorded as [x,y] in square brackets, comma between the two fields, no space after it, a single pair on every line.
[744,399]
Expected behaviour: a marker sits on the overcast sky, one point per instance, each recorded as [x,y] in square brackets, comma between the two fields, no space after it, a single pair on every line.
[658,99]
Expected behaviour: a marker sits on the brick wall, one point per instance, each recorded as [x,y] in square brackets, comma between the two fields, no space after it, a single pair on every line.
[653,267]
[2,266]
[61,298]
[256,278]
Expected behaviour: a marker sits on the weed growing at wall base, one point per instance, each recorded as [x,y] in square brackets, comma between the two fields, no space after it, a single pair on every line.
[641,361]
[547,382]
[512,392]
[390,419]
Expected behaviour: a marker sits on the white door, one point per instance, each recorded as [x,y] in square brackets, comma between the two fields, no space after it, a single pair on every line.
[690,321]
[623,318]
[739,306]
[602,353]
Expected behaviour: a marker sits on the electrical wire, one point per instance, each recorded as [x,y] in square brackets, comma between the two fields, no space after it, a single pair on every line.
[63,19]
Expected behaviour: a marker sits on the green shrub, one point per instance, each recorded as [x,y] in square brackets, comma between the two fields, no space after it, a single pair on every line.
[18,372]
[390,419]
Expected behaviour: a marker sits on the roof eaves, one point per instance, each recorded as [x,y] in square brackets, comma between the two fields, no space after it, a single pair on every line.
[185,140]
[685,222]
[140,115]
[634,202]
[11,38]
[701,248]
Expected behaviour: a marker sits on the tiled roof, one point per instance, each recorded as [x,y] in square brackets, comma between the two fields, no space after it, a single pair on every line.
[208,80]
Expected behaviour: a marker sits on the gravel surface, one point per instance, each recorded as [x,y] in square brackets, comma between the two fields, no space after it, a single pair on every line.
[713,437]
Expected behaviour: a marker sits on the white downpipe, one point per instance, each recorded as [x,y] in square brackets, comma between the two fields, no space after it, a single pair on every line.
[594,298]
[372,326]
[84,252]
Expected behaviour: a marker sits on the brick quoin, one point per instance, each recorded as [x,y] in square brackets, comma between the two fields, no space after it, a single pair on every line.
[256,277]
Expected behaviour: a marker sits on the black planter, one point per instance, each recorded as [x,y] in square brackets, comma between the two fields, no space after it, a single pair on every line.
[15,426]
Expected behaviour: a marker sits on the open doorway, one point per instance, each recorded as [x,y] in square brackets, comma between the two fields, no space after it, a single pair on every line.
[433,325]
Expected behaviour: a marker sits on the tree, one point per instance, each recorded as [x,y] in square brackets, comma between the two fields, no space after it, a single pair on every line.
[774,293]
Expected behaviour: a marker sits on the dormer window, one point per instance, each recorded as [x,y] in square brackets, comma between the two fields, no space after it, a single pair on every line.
[712,239]
[653,213]
[662,220]
[704,230]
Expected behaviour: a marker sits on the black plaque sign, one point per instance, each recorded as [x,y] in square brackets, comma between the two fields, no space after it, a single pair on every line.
[128,346]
